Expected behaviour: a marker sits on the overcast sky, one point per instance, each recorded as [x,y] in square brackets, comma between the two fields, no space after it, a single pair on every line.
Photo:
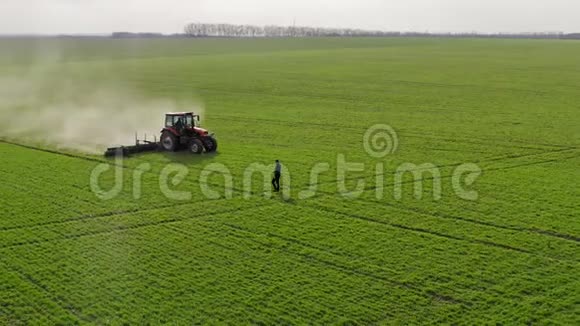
[169,16]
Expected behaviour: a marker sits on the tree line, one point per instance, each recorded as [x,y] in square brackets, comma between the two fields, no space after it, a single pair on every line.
[231,30]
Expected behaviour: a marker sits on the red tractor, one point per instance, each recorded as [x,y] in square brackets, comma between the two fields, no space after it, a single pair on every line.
[182,131]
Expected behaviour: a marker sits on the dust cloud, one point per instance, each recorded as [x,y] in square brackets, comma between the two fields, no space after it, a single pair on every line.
[48,107]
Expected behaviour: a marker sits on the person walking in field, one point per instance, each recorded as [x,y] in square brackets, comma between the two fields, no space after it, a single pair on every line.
[277,174]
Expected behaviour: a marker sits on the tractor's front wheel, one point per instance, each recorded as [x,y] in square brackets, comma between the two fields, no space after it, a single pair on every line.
[211,144]
[168,141]
[196,146]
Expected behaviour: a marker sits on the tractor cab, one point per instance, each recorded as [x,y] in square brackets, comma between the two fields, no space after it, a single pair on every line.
[181,120]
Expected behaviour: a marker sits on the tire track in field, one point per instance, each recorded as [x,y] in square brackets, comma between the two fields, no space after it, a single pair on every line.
[36,189]
[418,230]
[143,225]
[343,255]
[105,161]
[513,228]
[495,159]
[415,210]
[337,266]
[54,200]
[180,231]
[490,224]
[519,228]
[484,160]
[452,237]
[5,307]
[234,188]
[354,99]
[555,160]
[487,141]
[331,126]
[448,236]
[52,151]
[345,147]
[60,301]
[356,81]
[99,215]
[519,196]
[492,159]
[127,228]
[474,221]
[547,233]
[414,134]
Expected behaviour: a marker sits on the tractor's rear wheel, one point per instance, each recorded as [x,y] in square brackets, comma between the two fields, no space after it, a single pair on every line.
[168,141]
[211,144]
[196,146]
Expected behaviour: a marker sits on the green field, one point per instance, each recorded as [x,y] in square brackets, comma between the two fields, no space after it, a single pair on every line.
[512,256]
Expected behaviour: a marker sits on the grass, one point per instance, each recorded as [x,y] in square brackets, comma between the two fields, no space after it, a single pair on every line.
[510,257]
